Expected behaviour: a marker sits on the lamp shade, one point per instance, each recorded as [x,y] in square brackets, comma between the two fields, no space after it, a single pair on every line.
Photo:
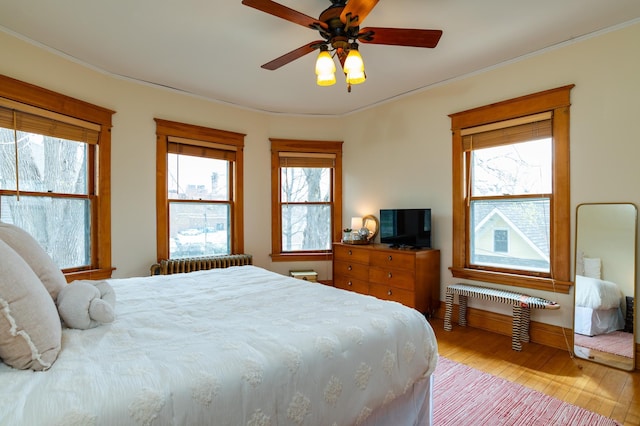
[356,223]
[354,66]
[325,69]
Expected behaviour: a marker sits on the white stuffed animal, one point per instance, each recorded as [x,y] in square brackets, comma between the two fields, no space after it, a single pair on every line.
[86,304]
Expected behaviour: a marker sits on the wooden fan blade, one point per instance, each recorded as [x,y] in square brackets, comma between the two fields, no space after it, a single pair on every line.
[276,9]
[400,36]
[293,55]
[357,8]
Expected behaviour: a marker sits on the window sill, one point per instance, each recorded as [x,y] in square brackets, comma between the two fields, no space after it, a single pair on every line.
[90,274]
[536,283]
[301,257]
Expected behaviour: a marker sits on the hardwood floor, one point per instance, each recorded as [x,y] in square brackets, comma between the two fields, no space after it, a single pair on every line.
[608,391]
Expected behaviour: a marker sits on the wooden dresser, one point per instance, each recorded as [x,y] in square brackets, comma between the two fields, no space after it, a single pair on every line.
[411,277]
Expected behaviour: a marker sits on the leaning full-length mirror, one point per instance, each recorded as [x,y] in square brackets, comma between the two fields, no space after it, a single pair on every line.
[605,283]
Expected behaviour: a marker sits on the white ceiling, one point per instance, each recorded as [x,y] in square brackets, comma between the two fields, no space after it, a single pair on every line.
[214,49]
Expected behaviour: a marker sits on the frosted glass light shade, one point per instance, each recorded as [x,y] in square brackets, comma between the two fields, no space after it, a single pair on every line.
[354,67]
[325,69]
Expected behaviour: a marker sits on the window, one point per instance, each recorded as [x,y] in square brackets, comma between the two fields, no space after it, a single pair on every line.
[501,241]
[306,188]
[199,191]
[511,192]
[54,175]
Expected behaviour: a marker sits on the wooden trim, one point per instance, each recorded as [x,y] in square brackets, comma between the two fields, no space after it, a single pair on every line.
[555,100]
[525,105]
[192,131]
[289,146]
[166,130]
[536,283]
[42,98]
[300,257]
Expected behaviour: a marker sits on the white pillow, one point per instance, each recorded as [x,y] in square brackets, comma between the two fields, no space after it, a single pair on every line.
[35,256]
[30,329]
[592,267]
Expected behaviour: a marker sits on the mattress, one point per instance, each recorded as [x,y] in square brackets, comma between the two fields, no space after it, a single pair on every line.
[235,346]
[591,322]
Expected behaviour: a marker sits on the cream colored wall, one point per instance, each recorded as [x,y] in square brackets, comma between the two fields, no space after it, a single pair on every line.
[395,155]
[404,148]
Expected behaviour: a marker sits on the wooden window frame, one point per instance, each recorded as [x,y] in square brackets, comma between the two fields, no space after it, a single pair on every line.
[311,147]
[556,101]
[166,130]
[44,99]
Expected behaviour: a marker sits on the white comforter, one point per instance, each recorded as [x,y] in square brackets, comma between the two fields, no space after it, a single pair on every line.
[236,346]
[597,294]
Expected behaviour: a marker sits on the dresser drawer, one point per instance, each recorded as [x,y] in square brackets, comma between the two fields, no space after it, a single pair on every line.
[398,259]
[351,270]
[351,254]
[398,278]
[384,292]
[352,284]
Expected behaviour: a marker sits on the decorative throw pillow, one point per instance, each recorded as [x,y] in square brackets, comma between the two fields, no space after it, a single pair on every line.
[592,267]
[30,329]
[35,256]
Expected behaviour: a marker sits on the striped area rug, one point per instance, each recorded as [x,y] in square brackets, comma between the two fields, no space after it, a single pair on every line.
[616,342]
[465,396]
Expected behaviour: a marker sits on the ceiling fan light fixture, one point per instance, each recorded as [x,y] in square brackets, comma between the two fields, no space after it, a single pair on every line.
[354,66]
[325,68]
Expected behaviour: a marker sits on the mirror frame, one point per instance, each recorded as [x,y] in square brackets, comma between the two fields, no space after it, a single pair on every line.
[616,361]
[369,222]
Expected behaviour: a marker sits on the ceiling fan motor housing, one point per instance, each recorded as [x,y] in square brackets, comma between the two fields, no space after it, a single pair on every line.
[338,33]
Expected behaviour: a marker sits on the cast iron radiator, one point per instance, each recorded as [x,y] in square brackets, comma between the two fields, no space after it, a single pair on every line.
[190,264]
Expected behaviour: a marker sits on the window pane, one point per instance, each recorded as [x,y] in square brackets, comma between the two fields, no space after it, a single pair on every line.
[46,164]
[526,225]
[305,184]
[199,229]
[306,227]
[60,226]
[517,169]
[197,178]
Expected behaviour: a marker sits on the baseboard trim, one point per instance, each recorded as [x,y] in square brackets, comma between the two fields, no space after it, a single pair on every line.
[544,334]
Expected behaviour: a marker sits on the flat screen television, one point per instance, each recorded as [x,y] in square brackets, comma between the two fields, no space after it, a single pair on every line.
[406,227]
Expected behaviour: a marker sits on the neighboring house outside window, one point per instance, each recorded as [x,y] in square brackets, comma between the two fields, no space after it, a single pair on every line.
[199,191]
[306,190]
[55,175]
[511,192]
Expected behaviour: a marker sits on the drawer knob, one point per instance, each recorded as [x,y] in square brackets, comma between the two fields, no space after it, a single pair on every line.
[349,284]
[350,253]
[390,275]
[349,268]
[389,293]
[390,258]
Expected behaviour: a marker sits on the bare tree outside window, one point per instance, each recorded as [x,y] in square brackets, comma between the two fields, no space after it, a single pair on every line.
[306,208]
[50,199]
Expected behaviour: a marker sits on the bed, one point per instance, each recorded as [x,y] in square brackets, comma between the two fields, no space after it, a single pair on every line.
[234,346]
[597,306]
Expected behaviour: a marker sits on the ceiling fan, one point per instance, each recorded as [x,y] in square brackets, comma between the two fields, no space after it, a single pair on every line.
[339,27]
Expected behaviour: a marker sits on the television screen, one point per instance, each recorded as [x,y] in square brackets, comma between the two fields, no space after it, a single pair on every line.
[406,227]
